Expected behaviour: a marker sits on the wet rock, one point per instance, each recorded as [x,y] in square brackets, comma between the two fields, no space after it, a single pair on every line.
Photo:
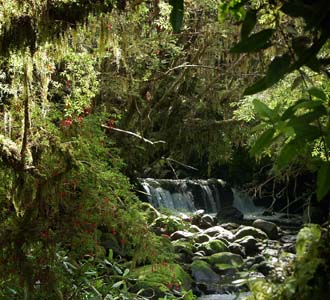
[206,221]
[219,231]
[230,226]
[269,228]
[225,258]
[229,214]
[237,249]
[201,238]
[250,244]
[213,246]
[290,239]
[194,228]
[184,251]
[181,235]
[251,231]
[202,272]
[264,268]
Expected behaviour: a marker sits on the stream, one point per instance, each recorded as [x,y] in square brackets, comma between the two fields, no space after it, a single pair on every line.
[229,235]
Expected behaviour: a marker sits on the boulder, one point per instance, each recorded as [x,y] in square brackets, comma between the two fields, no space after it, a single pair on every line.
[252,231]
[202,272]
[206,221]
[236,248]
[181,235]
[201,238]
[250,244]
[194,228]
[269,228]
[229,214]
[226,259]
[220,232]
[213,246]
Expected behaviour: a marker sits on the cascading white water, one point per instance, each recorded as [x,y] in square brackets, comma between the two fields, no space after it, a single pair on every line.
[187,195]
[245,204]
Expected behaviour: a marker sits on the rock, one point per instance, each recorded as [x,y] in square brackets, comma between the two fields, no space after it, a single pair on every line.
[250,244]
[194,228]
[225,259]
[181,235]
[201,238]
[269,228]
[237,249]
[220,232]
[229,214]
[167,224]
[264,268]
[206,221]
[290,239]
[230,226]
[202,272]
[249,230]
[213,246]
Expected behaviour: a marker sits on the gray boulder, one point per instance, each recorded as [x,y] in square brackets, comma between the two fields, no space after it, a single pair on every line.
[269,228]
[181,235]
[202,272]
[252,231]
[250,244]
[220,232]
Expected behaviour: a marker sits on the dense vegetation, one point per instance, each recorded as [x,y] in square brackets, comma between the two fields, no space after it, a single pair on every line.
[94,94]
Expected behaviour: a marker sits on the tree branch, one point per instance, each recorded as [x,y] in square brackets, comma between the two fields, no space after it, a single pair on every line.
[133,134]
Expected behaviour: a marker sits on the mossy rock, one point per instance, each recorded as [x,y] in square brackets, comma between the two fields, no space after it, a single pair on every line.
[212,247]
[168,224]
[158,277]
[202,272]
[225,260]
[249,230]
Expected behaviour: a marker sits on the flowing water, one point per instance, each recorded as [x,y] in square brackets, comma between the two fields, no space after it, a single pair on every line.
[188,195]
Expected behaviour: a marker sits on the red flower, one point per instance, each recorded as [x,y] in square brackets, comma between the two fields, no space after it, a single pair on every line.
[113,231]
[123,241]
[87,111]
[80,119]
[45,234]
[109,26]
[66,122]
[111,123]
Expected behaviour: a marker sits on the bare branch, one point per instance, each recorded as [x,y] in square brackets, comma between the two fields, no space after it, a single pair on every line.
[133,134]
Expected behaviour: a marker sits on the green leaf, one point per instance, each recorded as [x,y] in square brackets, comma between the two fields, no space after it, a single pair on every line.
[277,69]
[118,284]
[248,23]
[323,181]
[257,87]
[257,41]
[288,153]
[263,111]
[263,141]
[176,16]
[318,93]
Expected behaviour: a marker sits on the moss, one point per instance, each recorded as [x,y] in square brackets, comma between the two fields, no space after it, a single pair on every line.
[163,274]
[225,258]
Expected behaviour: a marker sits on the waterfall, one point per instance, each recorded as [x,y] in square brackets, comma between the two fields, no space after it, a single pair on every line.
[187,195]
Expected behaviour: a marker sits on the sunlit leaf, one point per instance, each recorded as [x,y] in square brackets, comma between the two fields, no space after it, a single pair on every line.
[263,111]
[323,181]
[257,41]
